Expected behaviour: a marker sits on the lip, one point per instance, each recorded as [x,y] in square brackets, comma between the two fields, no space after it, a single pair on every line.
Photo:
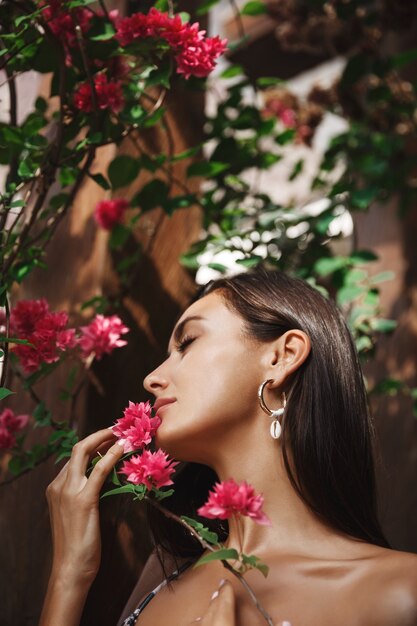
[160,402]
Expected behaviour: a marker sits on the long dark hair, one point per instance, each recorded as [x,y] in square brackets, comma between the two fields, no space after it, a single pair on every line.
[327,431]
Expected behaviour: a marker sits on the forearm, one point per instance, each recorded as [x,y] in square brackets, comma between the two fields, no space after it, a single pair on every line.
[64,601]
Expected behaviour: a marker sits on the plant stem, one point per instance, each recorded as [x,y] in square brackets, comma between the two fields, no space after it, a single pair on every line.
[208,546]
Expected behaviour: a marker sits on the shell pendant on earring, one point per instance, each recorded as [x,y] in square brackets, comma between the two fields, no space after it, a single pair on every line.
[275,429]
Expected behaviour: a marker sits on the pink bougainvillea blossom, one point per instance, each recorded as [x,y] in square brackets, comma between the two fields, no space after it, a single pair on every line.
[108,94]
[229,498]
[152,469]
[102,336]
[136,429]
[10,424]
[62,23]
[194,53]
[45,330]
[108,213]
[199,57]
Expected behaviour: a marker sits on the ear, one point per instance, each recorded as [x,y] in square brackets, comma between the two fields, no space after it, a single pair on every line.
[286,355]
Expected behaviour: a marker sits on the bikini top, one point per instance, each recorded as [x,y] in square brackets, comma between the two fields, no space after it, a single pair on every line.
[131,619]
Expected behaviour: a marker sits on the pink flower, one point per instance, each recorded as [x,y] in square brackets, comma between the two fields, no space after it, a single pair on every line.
[10,424]
[110,212]
[195,54]
[62,23]
[46,331]
[108,93]
[199,57]
[152,469]
[102,336]
[136,429]
[229,498]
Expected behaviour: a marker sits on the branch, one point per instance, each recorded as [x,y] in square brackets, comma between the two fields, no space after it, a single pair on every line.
[6,345]
[208,546]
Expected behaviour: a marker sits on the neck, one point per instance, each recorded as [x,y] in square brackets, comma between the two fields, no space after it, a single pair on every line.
[294,529]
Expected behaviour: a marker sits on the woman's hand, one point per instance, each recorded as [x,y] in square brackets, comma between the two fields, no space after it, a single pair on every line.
[73,503]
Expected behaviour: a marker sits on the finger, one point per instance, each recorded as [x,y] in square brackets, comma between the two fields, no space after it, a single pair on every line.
[84,450]
[102,469]
[221,611]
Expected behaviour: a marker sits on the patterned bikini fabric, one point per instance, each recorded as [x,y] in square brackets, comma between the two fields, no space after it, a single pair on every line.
[131,620]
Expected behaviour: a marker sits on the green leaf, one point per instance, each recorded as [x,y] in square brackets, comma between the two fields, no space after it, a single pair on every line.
[219,555]
[16,465]
[203,531]
[159,494]
[383,325]
[232,71]
[24,342]
[349,293]
[328,265]
[42,415]
[162,5]
[119,235]
[119,490]
[363,256]
[153,194]
[389,386]
[381,277]
[362,198]
[123,170]
[109,32]
[254,561]
[5,392]
[179,202]
[254,7]
[100,180]
[205,6]
[207,168]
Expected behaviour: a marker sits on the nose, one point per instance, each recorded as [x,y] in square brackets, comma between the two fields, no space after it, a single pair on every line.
[155,382]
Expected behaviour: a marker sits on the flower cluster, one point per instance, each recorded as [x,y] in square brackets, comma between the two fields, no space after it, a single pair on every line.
[102,336]
[135,431]
[10,424]
[45,330]
[136,428]
[229,498]
[194,53]
[108,94]
[152,469]
[108,213]
[47,333]
[62,23]
[302,117]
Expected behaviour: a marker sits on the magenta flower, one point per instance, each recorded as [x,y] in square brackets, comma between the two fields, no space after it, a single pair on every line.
[102,336]
[152,469]
[108,213]
[108,93]
[229,498]
[10,424]
[195,54]
[45,330]
[136,429]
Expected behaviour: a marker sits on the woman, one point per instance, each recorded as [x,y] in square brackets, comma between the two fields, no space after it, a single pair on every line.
[251,344]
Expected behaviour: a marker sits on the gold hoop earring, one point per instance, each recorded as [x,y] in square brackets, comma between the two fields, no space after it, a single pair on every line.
[275,428]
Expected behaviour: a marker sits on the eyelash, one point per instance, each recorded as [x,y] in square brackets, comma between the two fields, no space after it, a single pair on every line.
[184,343]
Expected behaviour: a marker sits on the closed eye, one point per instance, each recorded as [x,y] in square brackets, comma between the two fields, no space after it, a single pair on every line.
[185,341]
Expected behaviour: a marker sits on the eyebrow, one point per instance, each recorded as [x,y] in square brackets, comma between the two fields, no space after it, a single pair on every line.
[179,329]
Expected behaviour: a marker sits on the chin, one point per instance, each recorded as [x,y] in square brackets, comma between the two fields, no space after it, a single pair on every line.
[179,445]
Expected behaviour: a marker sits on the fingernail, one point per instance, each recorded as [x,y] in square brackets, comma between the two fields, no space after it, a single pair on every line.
[120,443]
[222,582]
[215,594]
[197,619]
[286,624]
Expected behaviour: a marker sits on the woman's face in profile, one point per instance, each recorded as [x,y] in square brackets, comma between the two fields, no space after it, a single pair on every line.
[207,387]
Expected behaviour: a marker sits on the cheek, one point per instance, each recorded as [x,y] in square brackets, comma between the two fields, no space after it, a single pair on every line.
[214,396]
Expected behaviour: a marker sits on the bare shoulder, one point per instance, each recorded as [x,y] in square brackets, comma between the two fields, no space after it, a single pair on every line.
[391,588]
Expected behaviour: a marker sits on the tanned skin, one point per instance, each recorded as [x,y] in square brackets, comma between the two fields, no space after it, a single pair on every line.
[317,577]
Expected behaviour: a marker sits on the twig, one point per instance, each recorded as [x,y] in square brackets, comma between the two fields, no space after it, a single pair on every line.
[27,470]
[6,345]
[209,547]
